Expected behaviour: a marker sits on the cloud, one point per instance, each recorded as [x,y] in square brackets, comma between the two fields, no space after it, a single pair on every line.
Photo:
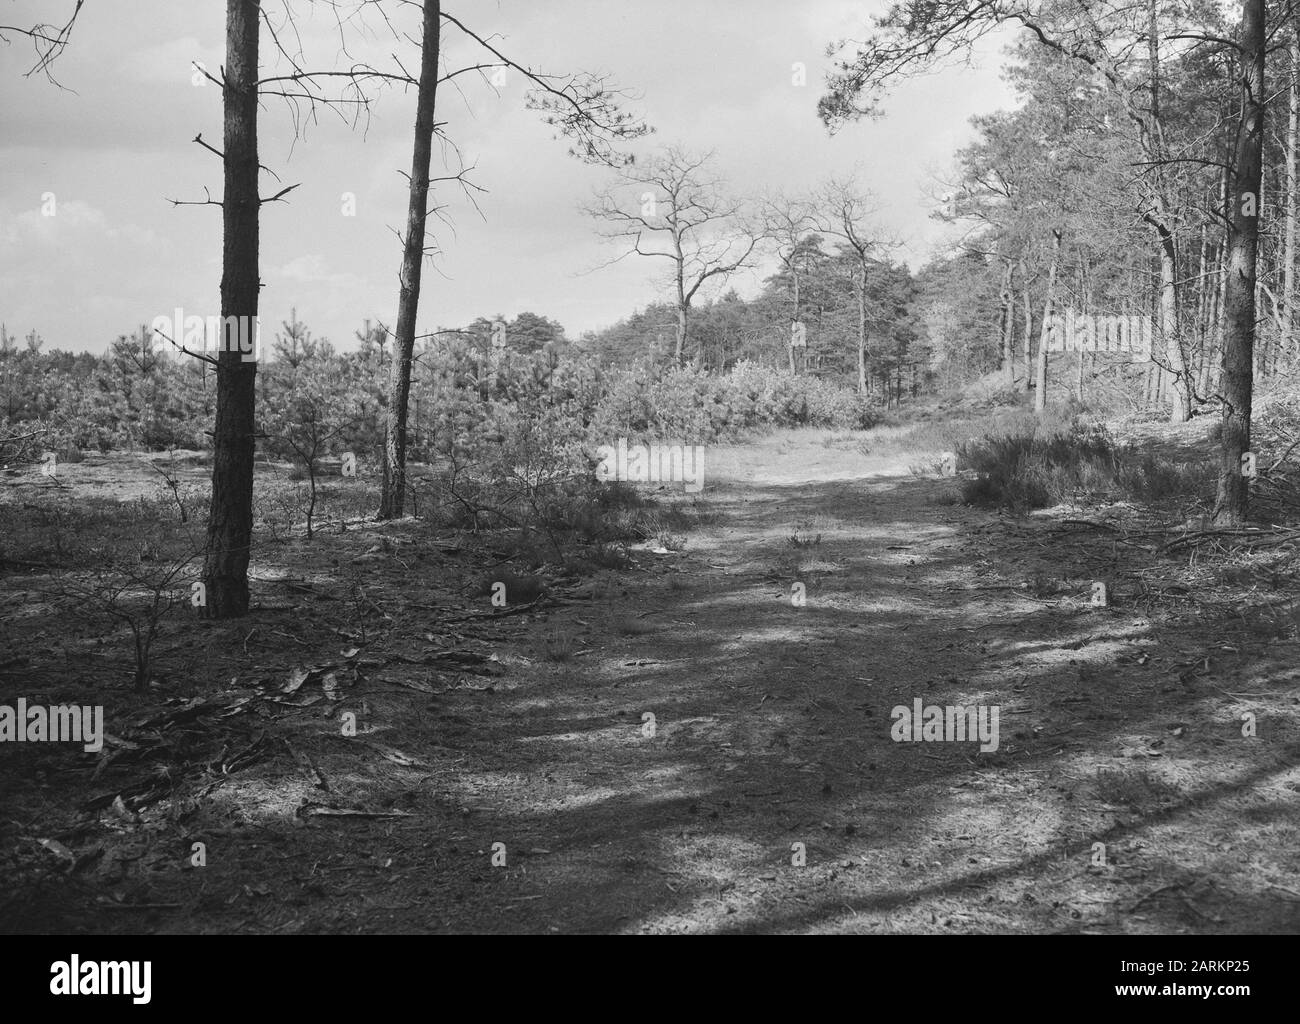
[313,269]
[53,223]
[171,62]
[304,268]
[71,225]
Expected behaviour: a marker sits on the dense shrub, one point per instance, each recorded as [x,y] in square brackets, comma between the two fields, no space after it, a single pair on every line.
[1040,467]
[687,406]
[463,393]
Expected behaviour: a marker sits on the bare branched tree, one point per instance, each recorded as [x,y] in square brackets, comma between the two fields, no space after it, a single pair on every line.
[582,107]
[843,211]
[48,40]
[789,224]
[673,208]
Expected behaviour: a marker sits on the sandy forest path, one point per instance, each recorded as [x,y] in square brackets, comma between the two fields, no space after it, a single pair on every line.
[773,727]
[1122,796]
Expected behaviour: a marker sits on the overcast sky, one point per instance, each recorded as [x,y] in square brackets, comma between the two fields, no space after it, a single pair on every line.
[117,144]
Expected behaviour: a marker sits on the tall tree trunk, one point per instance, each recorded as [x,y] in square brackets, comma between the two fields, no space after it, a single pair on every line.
[1008,326]
[1289,254]
[1197,367]
[1180,385]
[1262,338]
[230,525]
[1040,383]
[862,330]
[1213,289]
[1086,291]
[683,303]
[1027,340]
[1232,505]
[1220,319]
[794,277]
[393,496]
[1161,220]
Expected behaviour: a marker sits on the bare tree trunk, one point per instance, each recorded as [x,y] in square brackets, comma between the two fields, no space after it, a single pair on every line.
[1180,385]
[683,320]
[1040,383]
[1263,339]
[1232,505]
[393,496]
[862,329]
[1220,316]
[230,526]
[1213,289]
[1086,291]
[1289,254]
[1027,341]
[683,315]
[1196,362]
[794,277]
[1160,220]
[1008,326]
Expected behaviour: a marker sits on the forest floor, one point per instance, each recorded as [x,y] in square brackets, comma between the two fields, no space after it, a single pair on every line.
[504,775]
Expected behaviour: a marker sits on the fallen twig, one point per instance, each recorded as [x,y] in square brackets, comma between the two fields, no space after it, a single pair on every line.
[498,613]
[1203,535]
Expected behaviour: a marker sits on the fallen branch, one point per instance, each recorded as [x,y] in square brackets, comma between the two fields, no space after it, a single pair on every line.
[1089,524]
[1201,536]
[310,810]
[499,613]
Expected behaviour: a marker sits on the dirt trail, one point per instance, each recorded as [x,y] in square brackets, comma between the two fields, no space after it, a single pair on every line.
[772,727]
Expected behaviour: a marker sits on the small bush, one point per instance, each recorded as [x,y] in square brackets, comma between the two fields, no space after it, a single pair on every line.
[559,646]
[670,541]
[611,556]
